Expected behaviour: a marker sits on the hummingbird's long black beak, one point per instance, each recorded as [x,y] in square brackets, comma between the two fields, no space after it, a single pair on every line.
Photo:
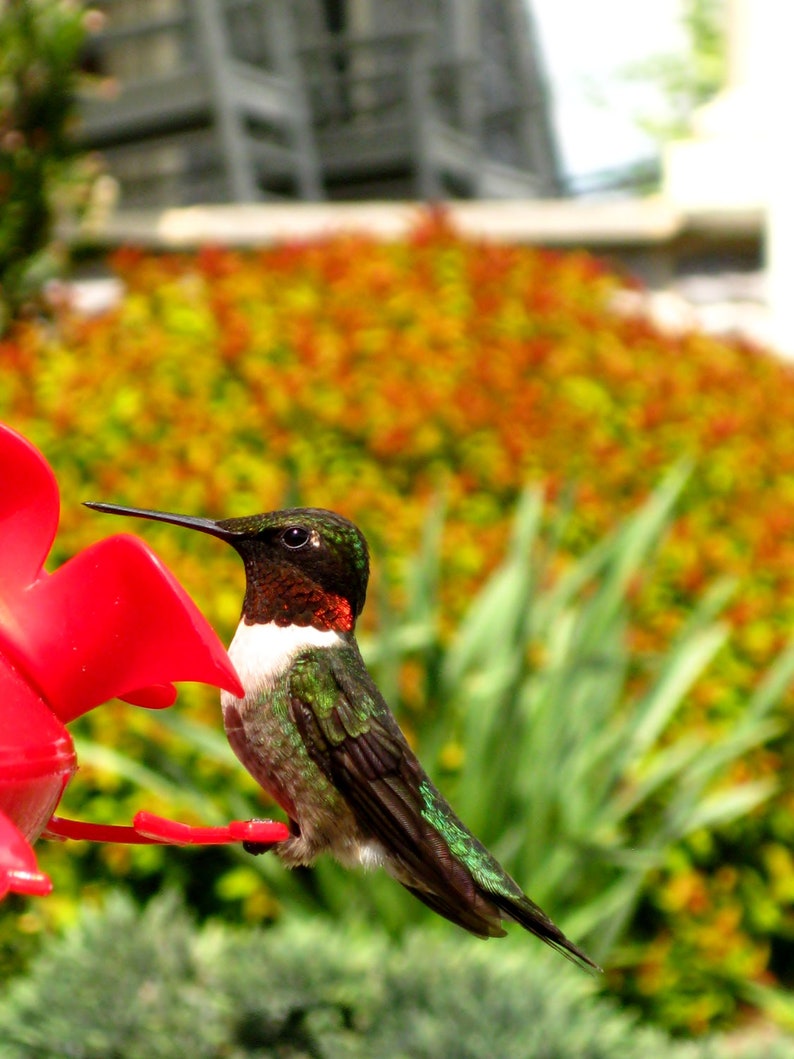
[204,525]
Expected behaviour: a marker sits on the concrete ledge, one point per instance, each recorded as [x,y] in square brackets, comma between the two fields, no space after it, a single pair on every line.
[626,223]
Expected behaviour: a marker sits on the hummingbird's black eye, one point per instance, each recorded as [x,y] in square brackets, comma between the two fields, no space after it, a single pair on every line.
[296,537]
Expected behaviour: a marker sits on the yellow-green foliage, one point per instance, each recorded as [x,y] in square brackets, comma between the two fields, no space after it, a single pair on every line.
[371,378]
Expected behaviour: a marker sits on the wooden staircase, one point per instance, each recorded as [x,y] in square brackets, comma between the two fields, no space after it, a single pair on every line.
[209,105]
[246,100]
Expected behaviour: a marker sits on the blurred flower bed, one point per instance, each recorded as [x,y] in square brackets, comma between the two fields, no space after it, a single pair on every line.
[374,378]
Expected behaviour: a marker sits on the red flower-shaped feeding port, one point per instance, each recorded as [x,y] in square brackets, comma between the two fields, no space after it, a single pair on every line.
[112,622]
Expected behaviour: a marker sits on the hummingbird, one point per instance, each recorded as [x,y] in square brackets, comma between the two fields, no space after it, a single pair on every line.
[314,731]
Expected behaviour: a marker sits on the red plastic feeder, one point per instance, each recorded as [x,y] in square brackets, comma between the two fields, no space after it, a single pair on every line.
[112,622]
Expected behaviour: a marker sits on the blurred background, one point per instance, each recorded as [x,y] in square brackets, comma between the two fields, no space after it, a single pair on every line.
[507,284]
[357,101]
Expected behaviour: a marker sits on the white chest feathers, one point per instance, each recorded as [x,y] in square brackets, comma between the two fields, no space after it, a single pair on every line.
[261,653]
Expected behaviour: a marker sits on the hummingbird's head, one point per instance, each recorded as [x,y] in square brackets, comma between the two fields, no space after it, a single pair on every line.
[303,566]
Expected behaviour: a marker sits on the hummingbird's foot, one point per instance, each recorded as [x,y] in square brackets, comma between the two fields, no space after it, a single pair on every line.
[257,848]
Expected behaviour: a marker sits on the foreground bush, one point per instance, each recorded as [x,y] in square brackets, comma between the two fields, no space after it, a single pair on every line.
[147,985]
[375,378]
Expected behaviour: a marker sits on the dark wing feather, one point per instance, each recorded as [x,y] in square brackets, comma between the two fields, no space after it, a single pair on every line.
[352,736]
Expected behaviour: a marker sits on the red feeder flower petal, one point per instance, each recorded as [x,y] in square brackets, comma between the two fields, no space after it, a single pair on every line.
[18,869]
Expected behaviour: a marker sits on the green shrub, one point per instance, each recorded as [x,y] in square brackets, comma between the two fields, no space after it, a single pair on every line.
[42,177]
[125,984]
